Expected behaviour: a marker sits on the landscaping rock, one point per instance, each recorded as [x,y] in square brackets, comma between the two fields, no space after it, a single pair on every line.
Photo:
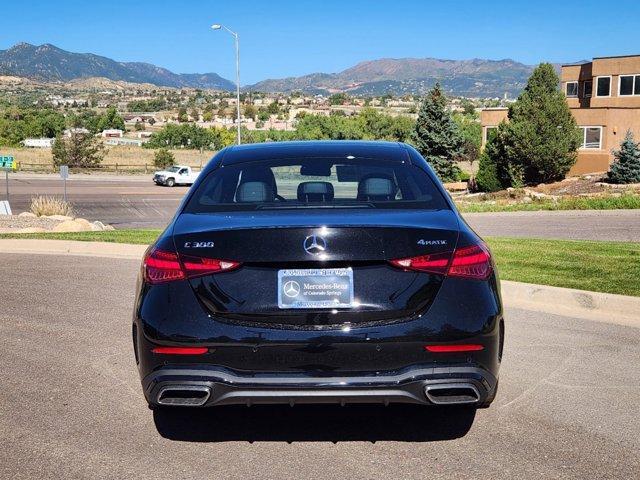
[72,226]
[27,215]
[97,226]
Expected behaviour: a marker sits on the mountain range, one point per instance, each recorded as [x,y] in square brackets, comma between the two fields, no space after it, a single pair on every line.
[50,63]
[470,78]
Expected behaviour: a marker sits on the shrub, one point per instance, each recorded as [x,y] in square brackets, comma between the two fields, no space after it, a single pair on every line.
[163,158]
[47,205]
[78,150]
[487,177]
[626,166]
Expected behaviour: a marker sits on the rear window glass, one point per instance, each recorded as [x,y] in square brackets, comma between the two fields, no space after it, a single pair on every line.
[316,183]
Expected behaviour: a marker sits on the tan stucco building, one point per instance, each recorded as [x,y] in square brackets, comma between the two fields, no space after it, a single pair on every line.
[604,98]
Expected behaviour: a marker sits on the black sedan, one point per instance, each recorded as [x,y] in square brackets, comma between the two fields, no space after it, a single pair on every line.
[318,272]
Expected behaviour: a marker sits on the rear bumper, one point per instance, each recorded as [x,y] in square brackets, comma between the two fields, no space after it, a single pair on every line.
[207,386]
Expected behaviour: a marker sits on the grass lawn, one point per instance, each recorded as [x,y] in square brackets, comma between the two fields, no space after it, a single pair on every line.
[626,201]
[612,267]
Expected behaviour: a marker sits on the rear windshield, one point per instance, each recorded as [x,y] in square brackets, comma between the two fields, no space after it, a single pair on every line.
[316,183]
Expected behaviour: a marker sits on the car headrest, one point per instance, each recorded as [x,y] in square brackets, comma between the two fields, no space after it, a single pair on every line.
[259,174]
[315,192]
[255,192]
[377,187]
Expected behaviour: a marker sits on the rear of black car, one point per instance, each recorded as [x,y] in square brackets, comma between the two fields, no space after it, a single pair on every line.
[318,272]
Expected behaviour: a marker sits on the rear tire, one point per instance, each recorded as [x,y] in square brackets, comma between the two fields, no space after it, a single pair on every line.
[170,182]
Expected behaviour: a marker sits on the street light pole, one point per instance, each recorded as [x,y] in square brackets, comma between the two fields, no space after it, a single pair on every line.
[237,43]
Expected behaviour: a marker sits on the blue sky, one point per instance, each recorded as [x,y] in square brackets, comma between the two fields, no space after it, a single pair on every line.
[283,38]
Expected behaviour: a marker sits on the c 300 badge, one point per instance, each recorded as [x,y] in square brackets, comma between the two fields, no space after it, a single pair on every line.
[198,245]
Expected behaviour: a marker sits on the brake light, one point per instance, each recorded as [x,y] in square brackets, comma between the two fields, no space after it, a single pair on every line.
[161,266]
[180,350]
[465,347]
[473,262]
[433,263]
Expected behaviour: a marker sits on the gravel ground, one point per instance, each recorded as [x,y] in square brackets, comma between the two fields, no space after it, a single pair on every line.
[10,223]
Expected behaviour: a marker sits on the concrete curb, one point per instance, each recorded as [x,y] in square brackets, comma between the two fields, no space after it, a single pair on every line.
[595,306]
[61,247]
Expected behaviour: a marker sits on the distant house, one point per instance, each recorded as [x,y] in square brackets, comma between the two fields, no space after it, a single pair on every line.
[112,133]
[130,142]
[38,142]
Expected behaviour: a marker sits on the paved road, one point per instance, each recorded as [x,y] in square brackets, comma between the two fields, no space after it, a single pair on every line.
[133,202]
[71,405]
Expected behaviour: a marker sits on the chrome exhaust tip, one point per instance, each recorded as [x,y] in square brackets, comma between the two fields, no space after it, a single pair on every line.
[452,394]
[184,395]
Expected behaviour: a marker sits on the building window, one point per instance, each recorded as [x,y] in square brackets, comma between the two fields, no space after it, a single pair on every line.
[572,89]
[603,87]
[629,85]
[591,138]
[588,88]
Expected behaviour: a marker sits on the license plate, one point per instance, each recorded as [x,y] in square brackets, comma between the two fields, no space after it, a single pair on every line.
[315,288]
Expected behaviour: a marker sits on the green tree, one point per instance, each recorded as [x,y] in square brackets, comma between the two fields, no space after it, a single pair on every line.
[437,137]
[163,158]
[250,111]
[486,180]
[182,115]
[110,119]
[539,142]
[77,150]
[626,166]
[338,99]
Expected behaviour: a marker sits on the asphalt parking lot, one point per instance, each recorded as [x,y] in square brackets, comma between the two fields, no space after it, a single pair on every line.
[136,202]
[71,405]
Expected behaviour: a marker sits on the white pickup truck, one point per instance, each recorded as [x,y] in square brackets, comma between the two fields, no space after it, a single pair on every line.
[175,175]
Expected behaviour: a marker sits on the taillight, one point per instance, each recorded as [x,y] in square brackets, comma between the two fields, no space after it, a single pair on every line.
[433,263]
[197,266]
[161,266]
[473,261]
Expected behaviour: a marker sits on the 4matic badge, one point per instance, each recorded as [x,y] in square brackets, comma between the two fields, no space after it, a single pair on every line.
[422,241]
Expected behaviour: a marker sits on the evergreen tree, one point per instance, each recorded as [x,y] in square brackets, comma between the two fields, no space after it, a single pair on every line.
[437,137]
[540,141]
[626,166]
[486,180]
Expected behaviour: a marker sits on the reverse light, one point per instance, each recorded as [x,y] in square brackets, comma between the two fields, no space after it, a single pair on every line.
[433,263]
[161,266]
[465,347]
[196,266]
[473,262]
[180,350]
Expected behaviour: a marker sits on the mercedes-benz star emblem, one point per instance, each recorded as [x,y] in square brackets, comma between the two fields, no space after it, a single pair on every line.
[291,289]
[314,245]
